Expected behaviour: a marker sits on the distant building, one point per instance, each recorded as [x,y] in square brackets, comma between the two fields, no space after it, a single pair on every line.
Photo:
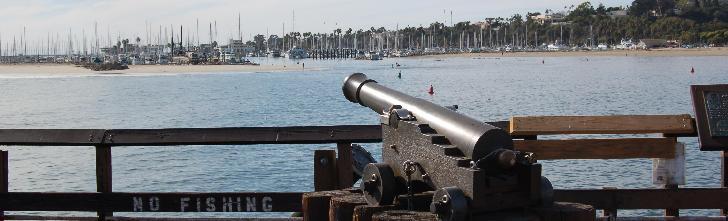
[651,43]
[482,24]
[549,18]
[617,13]
[206,50]
[236,47]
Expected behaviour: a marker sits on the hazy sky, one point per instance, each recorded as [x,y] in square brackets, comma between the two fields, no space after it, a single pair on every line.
[128,17]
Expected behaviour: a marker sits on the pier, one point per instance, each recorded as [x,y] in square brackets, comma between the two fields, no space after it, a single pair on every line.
[340,53]
[329,175]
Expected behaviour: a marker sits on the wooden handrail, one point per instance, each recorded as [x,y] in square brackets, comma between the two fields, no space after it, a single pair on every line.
[192,136]
[617,124]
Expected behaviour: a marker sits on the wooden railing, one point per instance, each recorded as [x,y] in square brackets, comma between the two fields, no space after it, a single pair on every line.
[526,131]
[671,198]
[105,201]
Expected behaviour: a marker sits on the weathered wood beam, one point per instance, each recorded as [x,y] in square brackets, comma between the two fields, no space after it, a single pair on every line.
[618,124]
[683,198]
[599,148]
[153,202]
[193,136]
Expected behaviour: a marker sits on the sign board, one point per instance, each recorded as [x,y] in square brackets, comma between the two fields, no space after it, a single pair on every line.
[208,202]
[711,115]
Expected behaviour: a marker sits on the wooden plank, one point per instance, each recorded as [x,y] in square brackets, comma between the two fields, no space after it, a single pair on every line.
[324,170]
[4,182]
[103,175]
[51,137]
[665,218]
[566,211]
[344,165]
[684,198]
[365,212]
[137,218]
[404,215]
[598,148]
[243,135]
[618,124]
[193,136]
[153,202]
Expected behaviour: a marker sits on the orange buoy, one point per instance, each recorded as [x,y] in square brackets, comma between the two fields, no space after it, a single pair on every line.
[431,91]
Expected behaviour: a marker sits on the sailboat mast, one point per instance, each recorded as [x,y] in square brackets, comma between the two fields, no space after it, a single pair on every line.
[284,36]
[198,32]
[240,32]
[172,45]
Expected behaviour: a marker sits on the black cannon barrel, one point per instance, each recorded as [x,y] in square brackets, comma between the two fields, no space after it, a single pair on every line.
[474,138]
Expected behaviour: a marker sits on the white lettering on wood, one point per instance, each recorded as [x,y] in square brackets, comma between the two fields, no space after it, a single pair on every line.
[184,203]
[211,204]
[239,204]
[250,204]
[154,203]
[267,204]
[227,204]
[138,204]
[198,205]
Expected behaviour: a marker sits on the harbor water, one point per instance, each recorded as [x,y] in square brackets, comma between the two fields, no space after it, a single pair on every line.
[490,89]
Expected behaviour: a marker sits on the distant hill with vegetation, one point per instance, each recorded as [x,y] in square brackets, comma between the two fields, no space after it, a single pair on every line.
[686,21]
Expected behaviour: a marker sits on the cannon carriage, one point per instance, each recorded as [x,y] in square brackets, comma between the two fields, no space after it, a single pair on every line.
[470,165]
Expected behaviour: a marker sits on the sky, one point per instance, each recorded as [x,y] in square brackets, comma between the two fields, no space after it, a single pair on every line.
[129,18]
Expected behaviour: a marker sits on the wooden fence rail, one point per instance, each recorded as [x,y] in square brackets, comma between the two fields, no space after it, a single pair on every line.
[105,202]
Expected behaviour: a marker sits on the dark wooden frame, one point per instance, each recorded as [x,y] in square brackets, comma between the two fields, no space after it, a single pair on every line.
[707,142]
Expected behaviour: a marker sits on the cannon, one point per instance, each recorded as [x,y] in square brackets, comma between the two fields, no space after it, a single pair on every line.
[468,166]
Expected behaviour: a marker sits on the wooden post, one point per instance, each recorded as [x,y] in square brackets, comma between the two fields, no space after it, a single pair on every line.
[724,175]
[344,165]
[672,211]
[3,177]
[316,204]
[610,213]
[324,170]
[103,174]
[341,208]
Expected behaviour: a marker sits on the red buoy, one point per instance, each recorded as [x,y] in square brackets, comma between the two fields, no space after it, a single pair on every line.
[431,91]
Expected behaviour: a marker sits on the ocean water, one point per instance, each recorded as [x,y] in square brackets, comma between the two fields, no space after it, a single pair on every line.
[490,89]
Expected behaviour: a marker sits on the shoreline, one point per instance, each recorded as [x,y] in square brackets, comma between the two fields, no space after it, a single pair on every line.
[662,52]
[73,70]
[24,70]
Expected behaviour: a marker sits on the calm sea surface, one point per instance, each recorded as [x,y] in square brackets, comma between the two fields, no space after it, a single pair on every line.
[490,89]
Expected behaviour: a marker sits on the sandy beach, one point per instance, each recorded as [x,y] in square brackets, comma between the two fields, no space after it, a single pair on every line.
[67,69]
[664,52]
